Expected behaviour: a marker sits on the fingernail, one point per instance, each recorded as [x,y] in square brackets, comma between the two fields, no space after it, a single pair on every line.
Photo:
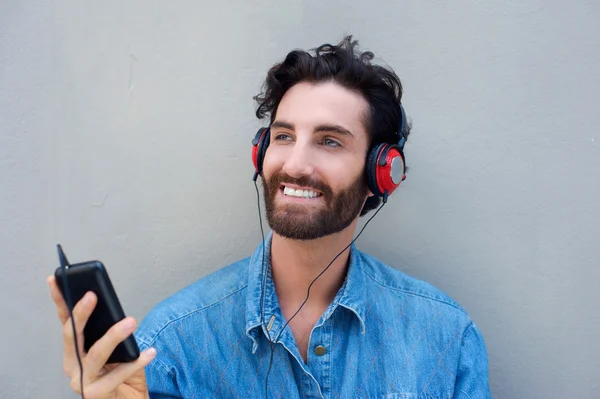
[128,324]
[151,352]
[87,298]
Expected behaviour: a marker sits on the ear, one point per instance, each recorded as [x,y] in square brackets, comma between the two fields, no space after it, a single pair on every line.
[366,198]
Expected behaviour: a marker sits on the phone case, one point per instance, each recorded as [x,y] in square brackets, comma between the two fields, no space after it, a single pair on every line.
[92,276]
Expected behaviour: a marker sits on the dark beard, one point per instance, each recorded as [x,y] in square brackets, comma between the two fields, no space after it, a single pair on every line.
[301,223]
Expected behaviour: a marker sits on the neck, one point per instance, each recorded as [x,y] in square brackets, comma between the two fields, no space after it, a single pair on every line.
[296,263]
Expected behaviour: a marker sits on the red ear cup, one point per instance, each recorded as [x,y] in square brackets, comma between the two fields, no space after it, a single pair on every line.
[259,148]
[390,169]
[385,169]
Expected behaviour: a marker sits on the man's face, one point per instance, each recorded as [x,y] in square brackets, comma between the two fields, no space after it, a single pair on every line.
[313,170]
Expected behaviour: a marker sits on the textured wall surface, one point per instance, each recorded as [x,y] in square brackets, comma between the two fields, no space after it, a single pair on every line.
[125,131]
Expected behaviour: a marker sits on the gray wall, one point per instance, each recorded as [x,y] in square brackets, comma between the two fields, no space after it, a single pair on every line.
[125,136]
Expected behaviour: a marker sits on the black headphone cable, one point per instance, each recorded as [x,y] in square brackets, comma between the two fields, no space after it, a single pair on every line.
[64,264]
[274,343]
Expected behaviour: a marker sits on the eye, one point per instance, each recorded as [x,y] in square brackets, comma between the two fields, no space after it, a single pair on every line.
[282,136]
[331,143]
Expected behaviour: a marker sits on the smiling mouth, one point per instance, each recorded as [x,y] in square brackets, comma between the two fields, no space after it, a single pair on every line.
[300,193]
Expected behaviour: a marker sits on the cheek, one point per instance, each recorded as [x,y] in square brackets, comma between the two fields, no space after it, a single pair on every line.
[342,174]
[273,161]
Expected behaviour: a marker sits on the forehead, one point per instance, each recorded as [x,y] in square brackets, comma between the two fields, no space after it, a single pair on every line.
[307,104]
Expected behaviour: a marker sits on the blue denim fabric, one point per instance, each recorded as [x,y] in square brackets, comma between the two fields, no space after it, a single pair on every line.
[386,335]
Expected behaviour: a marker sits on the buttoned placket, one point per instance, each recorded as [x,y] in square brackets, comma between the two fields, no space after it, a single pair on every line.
[309,384]
[320,352]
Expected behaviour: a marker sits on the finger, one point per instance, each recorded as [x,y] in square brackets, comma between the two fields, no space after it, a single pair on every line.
[99,353]
[59,301]
[125,371]
[81,314]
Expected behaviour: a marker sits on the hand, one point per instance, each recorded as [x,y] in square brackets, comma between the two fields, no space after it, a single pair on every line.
[100,380]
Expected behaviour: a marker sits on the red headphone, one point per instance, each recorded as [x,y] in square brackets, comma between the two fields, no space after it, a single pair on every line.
[385,165]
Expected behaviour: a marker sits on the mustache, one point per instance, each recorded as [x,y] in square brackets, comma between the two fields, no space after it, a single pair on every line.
[306,181]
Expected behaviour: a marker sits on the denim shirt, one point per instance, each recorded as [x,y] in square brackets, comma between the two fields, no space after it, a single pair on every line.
[385,335]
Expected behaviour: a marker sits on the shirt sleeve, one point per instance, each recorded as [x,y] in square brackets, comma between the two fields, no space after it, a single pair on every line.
[472,375]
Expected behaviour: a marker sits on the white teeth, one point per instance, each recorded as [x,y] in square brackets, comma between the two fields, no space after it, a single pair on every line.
[300,193]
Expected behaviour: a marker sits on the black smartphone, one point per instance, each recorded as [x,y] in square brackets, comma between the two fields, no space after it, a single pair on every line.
[92,276]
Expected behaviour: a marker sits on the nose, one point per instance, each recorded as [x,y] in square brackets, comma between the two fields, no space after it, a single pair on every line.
[300,161]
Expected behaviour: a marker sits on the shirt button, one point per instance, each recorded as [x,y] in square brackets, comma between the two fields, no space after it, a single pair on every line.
[320,350]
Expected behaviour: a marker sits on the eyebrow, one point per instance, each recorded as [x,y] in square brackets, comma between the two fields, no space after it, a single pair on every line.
[320,128]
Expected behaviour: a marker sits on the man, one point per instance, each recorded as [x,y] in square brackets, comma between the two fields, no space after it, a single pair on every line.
[308,315]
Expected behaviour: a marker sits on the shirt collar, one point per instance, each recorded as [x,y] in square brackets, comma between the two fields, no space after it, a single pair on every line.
[350,296]
[259,269]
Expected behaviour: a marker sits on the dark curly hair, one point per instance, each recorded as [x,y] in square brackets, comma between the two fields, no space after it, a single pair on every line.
[345,65]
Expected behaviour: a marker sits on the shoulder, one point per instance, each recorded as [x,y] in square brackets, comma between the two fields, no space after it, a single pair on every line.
[196,298]
[426,319]
[396,284]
